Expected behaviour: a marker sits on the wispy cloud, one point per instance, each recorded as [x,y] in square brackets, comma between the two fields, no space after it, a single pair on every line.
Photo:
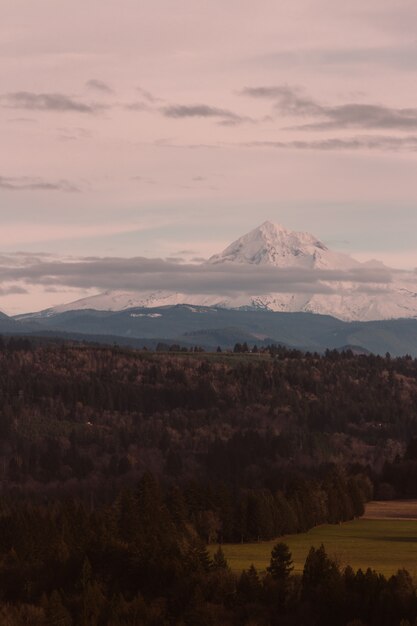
[13,290]
[138,106]
[24,183]
[22,120]
[147,95]
[290,101]
[365,142]
[144,179]
[99,85]
[225,117]
[47,102]
[12,233]
[74,134]
[395,56]
[170,143]
[149,102]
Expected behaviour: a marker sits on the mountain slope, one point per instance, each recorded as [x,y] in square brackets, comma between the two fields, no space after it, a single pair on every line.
[211,326]
[273,246]
[10,325]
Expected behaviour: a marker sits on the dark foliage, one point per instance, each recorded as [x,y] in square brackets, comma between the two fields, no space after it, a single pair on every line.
[119,466]
[135,561]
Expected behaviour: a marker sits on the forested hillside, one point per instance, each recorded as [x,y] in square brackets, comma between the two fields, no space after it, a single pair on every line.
[71,413]
[118,466]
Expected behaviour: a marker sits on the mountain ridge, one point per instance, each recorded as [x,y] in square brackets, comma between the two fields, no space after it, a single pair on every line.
[211,326]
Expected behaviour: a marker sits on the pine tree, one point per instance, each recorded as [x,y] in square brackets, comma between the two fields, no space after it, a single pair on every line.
[318,570]
[249,586]
[56,613]
[281,564]
[219,560]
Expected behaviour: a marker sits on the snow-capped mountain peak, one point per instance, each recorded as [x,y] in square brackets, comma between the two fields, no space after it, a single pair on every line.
[272,244]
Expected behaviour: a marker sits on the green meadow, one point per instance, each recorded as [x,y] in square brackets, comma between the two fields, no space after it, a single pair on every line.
[386,542]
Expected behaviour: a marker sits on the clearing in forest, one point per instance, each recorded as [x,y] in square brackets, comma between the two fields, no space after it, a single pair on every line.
[375,541]
[391,509]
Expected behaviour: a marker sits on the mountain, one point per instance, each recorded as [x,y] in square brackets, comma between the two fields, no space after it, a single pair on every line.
[9,325]
[213,326]
[272,246]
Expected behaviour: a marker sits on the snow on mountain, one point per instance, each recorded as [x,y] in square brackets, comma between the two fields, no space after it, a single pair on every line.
[274,246]
[122,300]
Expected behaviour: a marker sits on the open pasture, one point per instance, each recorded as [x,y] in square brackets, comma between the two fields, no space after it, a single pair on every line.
[385,545]
[391,509]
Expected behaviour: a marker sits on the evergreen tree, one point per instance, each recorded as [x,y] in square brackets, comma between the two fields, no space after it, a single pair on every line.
[56,613]
[318,569]
[281,564]
[249,586]
[219,560]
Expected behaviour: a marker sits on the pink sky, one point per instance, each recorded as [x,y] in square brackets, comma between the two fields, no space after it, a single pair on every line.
[144,129]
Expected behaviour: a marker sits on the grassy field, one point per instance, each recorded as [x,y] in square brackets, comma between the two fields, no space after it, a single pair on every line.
[394,509]
[385,542]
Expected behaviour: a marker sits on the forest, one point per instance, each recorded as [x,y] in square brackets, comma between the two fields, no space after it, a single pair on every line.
[118,467]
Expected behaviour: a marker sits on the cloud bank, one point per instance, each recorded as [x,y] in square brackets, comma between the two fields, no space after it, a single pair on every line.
[25,183]
[57,102]
[142,274]
[290,101]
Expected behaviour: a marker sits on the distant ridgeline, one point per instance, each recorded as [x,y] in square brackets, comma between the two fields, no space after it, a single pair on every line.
[210,327]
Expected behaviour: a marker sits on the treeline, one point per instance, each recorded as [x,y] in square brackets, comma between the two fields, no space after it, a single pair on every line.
[324,595]
[222,514]
[399,477]
[140,561]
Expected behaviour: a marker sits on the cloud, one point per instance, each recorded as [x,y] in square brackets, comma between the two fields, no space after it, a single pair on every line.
[73,134]
[12,233]
[24,183]
[99,85]
[22,120]
[23,259]
[226,117]
[62,290]
[144,179]
[169,143]
[142,274]
[138,106]
[366,116]
[147,95]
[365,142]
[13,290]
[397,56]
[148,103]
[175,259]
[290,101]
[46,102]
